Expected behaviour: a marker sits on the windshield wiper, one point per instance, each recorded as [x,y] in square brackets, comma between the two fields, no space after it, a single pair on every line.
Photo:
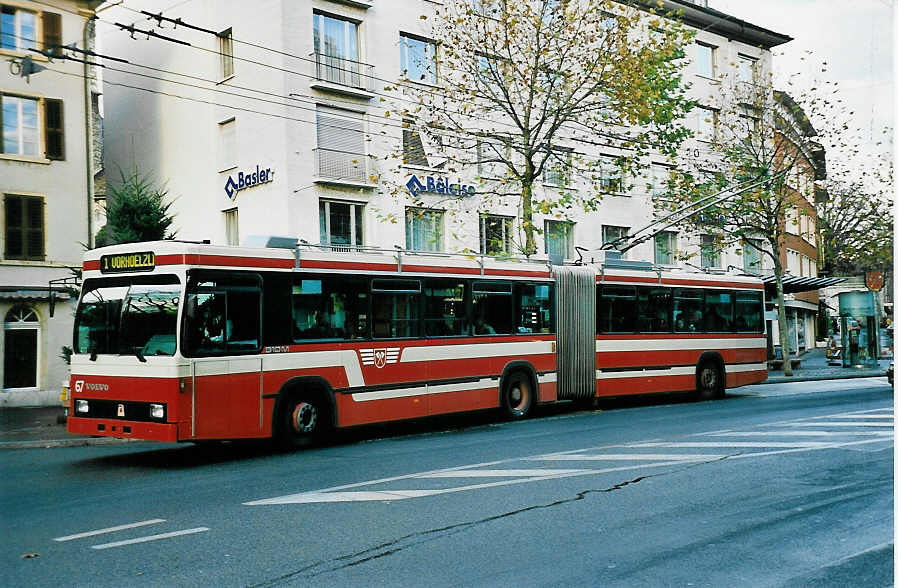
[139,355]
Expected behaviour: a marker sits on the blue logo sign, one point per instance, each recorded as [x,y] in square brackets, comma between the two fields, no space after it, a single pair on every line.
[438,186]
[246,180]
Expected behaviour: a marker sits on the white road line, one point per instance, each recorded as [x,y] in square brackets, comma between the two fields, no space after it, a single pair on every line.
[109,530]
[736,444]
[841,424]
[858,416]
[321,496]
[625,457]
[150,538]
[801,434]
[498,473]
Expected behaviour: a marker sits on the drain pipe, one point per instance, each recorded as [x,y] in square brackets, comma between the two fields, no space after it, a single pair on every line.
[88,134]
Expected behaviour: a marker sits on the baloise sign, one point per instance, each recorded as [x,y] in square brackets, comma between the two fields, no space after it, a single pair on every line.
[438,185]
[246,180]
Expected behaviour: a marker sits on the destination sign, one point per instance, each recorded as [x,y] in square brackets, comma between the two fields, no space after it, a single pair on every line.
[127,262]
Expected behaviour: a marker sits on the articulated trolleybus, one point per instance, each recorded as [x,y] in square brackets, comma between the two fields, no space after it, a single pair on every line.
[183,341]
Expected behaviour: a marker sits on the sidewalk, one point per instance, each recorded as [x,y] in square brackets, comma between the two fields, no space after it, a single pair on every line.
[41,427]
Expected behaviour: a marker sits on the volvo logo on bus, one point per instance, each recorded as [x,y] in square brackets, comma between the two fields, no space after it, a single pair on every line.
[379,357]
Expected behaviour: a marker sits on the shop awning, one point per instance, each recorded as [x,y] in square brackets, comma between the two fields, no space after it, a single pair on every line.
[795,284]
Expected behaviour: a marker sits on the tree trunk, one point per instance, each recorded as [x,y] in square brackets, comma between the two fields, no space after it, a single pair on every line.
[527,215]
[781,320]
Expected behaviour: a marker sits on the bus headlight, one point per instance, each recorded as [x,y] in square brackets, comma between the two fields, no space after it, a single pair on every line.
[81,406]
[157,411]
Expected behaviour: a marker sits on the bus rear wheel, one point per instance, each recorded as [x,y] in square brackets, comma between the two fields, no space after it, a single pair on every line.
[303,422]
[709,381]
[517,396]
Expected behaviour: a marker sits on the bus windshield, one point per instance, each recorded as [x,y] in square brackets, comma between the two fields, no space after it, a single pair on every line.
[128,316]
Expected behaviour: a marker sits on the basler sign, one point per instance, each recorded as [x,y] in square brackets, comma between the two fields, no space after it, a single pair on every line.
[247,179]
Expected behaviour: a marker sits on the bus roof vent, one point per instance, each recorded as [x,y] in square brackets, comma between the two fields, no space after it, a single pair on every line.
[613,259]
[270,241]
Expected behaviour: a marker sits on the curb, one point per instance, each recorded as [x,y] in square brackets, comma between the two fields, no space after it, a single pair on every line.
[787,380]
[74,442]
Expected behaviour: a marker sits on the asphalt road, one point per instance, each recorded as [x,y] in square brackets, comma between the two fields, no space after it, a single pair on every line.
[777,485]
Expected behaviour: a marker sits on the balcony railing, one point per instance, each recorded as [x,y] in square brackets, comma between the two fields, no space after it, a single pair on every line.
[343,72]
[342,167]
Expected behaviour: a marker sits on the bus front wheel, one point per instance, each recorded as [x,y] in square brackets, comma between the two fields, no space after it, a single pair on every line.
[517,396]
[303,421]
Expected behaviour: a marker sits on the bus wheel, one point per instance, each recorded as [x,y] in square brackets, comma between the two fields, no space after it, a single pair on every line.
[709,381]
[303,422]
[517,396]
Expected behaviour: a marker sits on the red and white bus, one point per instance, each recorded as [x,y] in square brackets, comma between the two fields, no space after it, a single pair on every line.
[180,341]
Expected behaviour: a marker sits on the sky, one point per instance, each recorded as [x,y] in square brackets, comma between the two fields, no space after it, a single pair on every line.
[856,40]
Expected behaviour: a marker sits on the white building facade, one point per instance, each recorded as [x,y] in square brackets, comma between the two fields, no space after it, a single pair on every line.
[46,172]
[294,96]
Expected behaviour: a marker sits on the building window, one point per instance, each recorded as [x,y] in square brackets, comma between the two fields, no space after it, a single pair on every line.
[811,236]
[792,221]
[559,239]
[793,262]
[226,53]
[659,180]
[747,69]
[704,60]
[496,234]
[703,123]
[340,224]
[227,144]
[611,233]
[611,176]
[418,59]
[21,335]
[18,29]
[232,228]
[24,223]
[558,167]
[337,50]
[751,256]
[54,133]
[20,125]
[423,229]
[710,250]
[341,145]
[419,148]
[665,247]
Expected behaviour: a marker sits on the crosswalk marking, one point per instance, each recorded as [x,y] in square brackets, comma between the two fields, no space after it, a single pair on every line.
[842,433]
[827,432]
[840,424]
[497,473]
[150,538]
[736,444]
[109,530]
[624,457]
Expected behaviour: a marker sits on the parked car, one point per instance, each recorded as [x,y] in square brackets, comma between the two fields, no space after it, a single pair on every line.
[890,373]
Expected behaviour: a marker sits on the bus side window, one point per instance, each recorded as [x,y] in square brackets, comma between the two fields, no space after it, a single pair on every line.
[718,314]
[654,310]
[534,308]
[687,310]
[396,308]
[223,315]
[444,308]
[329,308]
[491,308]
[616,312]
[749,312]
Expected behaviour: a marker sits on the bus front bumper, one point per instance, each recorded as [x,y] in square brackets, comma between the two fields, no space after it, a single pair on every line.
[123,429]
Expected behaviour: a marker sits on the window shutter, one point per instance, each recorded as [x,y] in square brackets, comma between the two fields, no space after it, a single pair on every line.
[53,129]
[34,228]
[52,25]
